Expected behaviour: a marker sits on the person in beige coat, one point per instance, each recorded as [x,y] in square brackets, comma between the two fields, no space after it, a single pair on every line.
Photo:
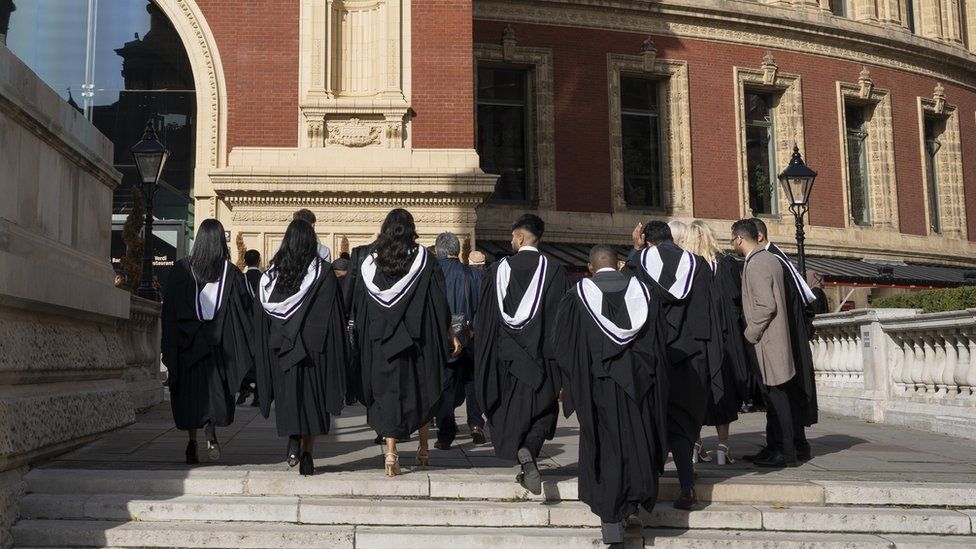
[767,328]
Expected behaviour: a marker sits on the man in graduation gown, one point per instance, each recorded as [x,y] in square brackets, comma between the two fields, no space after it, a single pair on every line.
[681,280]
[252,274]
[517,378]
[609,340]
[799,297]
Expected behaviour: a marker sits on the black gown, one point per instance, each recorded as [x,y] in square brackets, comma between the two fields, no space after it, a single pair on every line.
[301,359]
[402,350]
[737,364]
[801,326]
[694,355]
[619,394]
[517,378]
[206,359]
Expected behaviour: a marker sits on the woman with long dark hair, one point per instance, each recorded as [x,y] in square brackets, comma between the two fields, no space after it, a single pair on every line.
[299,343]
[206,329]
[404,336]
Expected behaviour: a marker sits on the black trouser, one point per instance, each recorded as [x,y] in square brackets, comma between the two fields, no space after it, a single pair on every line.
[784,419]
[458,387]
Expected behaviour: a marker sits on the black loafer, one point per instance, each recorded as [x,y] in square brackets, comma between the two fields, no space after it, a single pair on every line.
[531,478]
[306,467]
[760,455]
[191,453]
[778,460]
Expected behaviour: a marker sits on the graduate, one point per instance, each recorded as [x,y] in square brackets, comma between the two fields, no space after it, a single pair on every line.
[205,337]
[803,393]
[300,347]
[252,273]
[404,336]
[681,281]
[517,379]
[609,339]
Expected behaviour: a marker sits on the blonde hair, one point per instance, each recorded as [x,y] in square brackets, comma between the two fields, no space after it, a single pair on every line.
[679,231]
[700,240]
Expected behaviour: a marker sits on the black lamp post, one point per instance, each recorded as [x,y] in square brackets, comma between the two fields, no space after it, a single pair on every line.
[150,156]
[798,179]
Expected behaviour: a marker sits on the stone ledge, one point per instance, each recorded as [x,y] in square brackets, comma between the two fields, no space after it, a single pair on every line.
[907,521]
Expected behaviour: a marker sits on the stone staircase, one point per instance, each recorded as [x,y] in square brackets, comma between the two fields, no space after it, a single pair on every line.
[235,507]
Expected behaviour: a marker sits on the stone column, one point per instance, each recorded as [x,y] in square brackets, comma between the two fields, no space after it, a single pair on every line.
[877,348]
[890,12]
[929,16]
[863,10]
[952,23]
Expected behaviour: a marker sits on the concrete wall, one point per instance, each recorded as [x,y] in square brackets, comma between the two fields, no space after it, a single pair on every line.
[66,338]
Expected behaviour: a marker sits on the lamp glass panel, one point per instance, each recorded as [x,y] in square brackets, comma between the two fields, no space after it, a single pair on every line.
[149,166]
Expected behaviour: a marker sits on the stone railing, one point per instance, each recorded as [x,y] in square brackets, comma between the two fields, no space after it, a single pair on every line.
[899,366]
[141,338]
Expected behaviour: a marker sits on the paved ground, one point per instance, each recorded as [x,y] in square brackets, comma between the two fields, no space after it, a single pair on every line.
[844,449]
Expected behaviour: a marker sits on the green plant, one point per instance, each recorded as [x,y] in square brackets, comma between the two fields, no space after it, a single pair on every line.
[932,301]
[132,236]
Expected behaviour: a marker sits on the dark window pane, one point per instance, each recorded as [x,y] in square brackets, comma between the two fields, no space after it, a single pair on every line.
[638,94]
[759,164]
[501,145]
[501,85]
[857,165]
[641,160]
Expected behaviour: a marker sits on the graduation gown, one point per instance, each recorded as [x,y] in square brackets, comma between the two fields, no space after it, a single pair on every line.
[300,352]
[404,342]
[737,364]
[617,387]
[798,300]
[682,283]
[517,378]
[206,331]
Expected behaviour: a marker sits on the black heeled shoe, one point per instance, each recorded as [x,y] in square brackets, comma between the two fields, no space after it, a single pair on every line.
[306,466]
[191,453]
[294,447]
[213,447]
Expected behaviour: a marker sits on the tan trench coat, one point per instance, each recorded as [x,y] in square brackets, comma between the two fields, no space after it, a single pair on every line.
[764,309]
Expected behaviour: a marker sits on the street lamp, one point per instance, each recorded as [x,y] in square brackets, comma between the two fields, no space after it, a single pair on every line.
[150,156]
[797,180]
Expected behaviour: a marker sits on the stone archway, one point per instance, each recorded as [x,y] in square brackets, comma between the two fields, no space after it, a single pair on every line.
[208,79]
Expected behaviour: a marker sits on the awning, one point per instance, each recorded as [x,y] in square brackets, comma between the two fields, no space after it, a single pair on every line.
[836,271]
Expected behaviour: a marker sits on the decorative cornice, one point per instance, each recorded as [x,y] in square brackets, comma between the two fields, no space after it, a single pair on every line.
[780,28]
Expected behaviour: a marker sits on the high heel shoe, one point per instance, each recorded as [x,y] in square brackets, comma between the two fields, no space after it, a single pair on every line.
[392,464]
[723,456]
[306,466]
[700,454]
[191,453]
[294,447]
[213,447]
[423,457]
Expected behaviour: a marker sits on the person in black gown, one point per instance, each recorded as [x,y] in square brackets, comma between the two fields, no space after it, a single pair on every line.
[252,273]
[609,340]
[681,281]
[803,389]
[300,347]
[206,331]
[517,379]
[403,325]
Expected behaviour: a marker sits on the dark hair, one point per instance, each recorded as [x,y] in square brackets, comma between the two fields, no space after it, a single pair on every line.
[760,226]
[305,215]
[396,244]
[344,255]
[602,256]
[746,228]
[252,258]
[290,262]
[532,223]
[209,251]
[656,232]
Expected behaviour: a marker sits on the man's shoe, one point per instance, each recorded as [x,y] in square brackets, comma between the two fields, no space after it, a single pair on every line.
[530,478]
[441,445]
[760,455]
[777,460]
[686,501]
[478,436]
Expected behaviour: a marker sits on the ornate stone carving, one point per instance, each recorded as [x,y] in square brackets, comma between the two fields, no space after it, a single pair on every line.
[865,84]
[354,133]
[948,164]
[769,69]
[508,43]
[649,53]
[939,99]
[316,134]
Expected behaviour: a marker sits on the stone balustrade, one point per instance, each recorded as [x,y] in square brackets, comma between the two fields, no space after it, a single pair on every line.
[899,366]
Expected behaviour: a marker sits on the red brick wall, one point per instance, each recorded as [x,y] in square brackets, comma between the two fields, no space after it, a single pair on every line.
[582,126]
[442,74]
[258,46]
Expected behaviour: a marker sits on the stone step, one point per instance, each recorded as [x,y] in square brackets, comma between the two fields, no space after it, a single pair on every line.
[437,484]
[401,512]
[245,535]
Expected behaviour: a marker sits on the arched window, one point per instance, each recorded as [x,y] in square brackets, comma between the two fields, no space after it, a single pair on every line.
[120,63]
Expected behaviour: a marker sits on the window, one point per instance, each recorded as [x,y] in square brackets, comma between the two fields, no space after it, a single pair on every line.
[932,147]
[502,130]
[760,153]
[910,15]
[963,23]
[839,7]
[640,124]
[857,164]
